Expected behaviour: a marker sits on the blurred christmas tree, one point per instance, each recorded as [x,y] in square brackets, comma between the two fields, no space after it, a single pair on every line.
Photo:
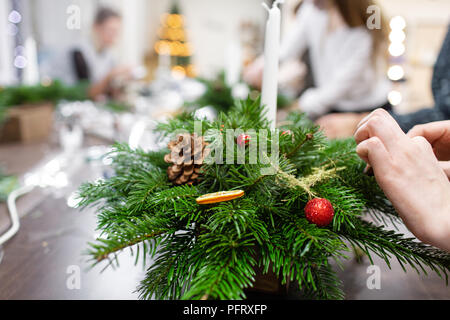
[173,42]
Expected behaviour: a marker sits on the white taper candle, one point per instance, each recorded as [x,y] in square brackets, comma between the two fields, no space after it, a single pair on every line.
[269,92]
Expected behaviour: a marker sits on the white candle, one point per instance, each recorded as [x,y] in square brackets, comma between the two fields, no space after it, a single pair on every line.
[31,71]
[271,61]
[233,58]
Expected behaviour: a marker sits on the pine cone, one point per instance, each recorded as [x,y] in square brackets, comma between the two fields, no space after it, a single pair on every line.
[186,155]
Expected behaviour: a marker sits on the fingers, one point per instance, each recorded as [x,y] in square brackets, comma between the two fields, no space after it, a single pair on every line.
[374,153]
[433,132]
[253,73]
[416,131]
[368,116]
[373,134]
[364,120]
[423,144]
[380,124]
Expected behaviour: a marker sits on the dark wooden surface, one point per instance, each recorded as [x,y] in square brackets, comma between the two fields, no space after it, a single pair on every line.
[53,236]
[50,241]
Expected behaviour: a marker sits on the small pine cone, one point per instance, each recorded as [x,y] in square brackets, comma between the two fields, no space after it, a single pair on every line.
[187,153]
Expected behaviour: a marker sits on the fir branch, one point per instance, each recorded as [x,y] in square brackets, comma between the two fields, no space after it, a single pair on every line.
[100,251]
[308,137]
[348,202]
[227,268]
[171,273]
[327,285]
[407,251]
[126,233]
[239,215]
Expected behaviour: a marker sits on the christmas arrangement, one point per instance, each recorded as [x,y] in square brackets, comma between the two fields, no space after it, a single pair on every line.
[219,95]
[210,225]
[54,92]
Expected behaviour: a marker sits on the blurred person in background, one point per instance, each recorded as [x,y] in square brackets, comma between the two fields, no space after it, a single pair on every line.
[93,60]
[344,125]
[347,59]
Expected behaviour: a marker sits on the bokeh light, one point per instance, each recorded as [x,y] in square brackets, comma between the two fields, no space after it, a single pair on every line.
[397,36]
[20,62]
[397,49]
[395,97]
[398,23]
[15,17]
[396,73]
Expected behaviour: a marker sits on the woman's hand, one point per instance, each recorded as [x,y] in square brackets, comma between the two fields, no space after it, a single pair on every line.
[253,74]
[98,91]
[340,125]
[410,175]
[438,135]
[120,72]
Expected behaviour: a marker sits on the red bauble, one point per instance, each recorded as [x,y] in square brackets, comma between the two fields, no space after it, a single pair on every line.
[243,139]
[319,211]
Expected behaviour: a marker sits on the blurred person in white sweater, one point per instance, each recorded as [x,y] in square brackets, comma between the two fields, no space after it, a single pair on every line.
[347,59]
[92,60]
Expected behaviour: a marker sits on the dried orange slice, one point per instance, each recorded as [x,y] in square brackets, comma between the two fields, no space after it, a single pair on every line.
[219,196]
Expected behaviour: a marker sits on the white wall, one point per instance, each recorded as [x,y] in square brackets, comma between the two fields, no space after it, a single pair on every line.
[418,11]
[6,46]
[50,18]
[211,24]
[53,35]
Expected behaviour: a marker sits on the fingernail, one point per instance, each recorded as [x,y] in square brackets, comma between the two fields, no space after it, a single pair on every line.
[364,120]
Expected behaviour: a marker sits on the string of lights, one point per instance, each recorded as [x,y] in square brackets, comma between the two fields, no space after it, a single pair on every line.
[397,49]
[14,30]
